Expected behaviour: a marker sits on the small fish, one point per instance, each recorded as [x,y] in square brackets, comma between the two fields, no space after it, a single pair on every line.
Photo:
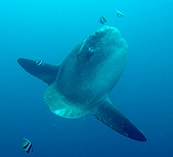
[39,62]
[103,20]
[119,14]
[27,146]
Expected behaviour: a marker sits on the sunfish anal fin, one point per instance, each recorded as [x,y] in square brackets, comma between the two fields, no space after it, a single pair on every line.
[109,115]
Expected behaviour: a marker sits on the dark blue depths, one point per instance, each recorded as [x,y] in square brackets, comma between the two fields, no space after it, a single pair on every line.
[49,30]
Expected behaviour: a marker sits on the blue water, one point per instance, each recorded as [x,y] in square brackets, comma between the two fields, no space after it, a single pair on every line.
[49,29]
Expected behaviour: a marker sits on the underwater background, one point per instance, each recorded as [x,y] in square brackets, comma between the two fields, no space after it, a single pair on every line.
[49,29]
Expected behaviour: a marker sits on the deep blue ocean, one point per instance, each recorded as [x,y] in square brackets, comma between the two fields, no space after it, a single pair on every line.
[49,29]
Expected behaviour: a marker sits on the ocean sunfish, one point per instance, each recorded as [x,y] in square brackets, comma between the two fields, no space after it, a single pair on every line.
[80,85]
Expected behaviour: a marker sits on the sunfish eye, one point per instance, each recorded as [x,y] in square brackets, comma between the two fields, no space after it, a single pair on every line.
[91,49]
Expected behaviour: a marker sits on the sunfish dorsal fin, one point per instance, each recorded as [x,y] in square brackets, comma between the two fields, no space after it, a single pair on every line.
[43,71]
[109,115]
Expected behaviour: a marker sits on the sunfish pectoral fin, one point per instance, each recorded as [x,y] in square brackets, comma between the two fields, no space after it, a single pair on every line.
[109,115]
[43,71]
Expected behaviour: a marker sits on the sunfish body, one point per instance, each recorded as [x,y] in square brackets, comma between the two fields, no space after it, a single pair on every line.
[81,83]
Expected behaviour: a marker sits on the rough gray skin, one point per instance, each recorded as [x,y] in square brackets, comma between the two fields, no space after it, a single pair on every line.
[81,84]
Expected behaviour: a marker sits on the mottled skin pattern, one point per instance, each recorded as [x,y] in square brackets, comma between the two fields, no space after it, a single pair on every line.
[91,72]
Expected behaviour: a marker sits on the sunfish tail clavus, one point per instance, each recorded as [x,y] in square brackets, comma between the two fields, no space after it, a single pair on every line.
[81,83]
